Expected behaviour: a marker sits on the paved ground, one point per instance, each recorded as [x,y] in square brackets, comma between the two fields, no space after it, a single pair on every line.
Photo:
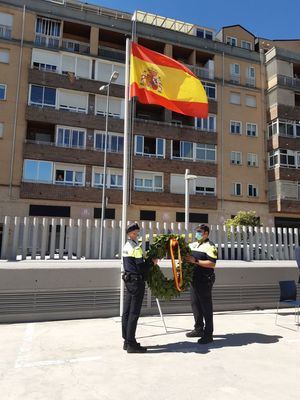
[251,358]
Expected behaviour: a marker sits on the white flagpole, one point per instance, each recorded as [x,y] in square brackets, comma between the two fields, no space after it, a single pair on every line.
[125,167]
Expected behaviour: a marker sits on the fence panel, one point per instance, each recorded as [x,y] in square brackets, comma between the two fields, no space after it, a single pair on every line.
[44,238]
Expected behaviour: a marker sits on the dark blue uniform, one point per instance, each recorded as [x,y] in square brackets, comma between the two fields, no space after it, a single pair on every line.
[201,286]
[134,277]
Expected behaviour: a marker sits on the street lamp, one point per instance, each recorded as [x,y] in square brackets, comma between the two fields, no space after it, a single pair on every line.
[114,76]
[187,178]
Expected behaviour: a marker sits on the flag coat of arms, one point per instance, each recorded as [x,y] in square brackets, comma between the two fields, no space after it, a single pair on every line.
[158,79]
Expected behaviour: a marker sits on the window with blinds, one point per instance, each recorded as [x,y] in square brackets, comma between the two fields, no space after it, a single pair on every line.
[116,106]
[72,101]
[105,69]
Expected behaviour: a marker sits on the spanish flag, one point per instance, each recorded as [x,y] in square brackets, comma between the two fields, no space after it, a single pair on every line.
[158,79]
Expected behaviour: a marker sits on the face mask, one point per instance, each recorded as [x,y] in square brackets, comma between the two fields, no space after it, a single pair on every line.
[199,235]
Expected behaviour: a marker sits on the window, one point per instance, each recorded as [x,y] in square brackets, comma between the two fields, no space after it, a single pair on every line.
[205,185]
[205,152]
[236,127]
[252,160]
[250,76]
[235,73]
[105,69]
[72,101]
[236,157]
[115,106]
[110,213]
[181,149]
[80,66]
[45,60]
[274,158]
[47,32]
[193,217]
[70,137]
[204,33]
[251,129]
[210,89]
[3,91]
[235,98]
[250,101]
[284,128]
[246,45]
[146,215]
[37,210]
[69,175]
[148,181]
[237,189]
[42,96]
[231,40]
[6,22]
[4,56]
[287,158]
[252,190]
[145,146]
[114,178]
[115,142]
[1,130]
[37,171]
[206,124]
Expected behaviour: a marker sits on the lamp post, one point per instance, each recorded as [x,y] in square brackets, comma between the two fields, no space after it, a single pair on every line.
[114,76]
[187,178]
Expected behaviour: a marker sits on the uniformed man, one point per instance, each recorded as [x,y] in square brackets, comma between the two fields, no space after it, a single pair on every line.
[134,276]
[204,256]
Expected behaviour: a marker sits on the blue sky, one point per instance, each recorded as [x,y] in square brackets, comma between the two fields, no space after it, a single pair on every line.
[271,19]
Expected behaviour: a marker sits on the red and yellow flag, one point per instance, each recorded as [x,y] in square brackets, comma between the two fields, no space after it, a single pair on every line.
[158,79]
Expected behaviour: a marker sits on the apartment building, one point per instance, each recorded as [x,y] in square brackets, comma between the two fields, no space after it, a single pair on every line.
[54,57]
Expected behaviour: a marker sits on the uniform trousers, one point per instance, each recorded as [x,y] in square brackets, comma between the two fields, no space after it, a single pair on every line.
[201,300]
[132,309]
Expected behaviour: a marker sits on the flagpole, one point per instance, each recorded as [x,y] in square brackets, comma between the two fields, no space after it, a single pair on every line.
[125,169]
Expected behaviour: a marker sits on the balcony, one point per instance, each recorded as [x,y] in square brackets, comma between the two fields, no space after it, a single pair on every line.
[288,81]
[202,72]
[250,82]
[75,46]
[112,54]
[47,41]
[5,31]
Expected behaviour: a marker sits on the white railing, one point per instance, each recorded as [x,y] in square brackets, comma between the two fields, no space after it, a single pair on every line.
[75,46]
[59,238]
[47,41]
[5,31]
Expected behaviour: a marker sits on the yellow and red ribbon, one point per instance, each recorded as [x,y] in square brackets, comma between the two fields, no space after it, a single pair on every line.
[177,270]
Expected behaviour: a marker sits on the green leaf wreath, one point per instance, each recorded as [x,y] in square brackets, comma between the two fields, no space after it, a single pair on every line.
[162,287]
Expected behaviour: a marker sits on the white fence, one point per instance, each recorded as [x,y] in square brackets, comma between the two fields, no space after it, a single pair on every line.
[56,238]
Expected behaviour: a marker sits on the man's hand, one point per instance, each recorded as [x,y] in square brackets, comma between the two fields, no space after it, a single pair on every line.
[155,261]
[190,259]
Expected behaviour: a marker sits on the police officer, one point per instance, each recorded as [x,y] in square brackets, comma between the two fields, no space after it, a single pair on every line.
[204,256]
[134,276]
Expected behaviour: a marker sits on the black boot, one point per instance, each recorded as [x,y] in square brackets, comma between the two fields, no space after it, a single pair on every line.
[135,348]
[206,340]
[195,333]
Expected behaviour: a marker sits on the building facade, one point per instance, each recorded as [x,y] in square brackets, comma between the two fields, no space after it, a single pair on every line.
[54,57]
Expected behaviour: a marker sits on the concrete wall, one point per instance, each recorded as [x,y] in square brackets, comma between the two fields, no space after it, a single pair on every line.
[49,290]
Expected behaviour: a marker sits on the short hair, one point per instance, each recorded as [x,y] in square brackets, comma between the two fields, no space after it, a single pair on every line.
[203,227]
[132,227]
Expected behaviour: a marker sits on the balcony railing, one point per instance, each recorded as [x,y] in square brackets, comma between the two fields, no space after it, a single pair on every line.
[75,46]
[202,72]
[47,41]
[112,54]
[5,31]
[250,82]
[288,81]
[171,124]
[236,79]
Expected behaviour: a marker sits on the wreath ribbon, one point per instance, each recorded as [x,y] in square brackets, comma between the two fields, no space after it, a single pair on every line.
[177,270]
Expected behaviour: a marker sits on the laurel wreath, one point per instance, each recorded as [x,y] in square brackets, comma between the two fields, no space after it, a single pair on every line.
[160,286]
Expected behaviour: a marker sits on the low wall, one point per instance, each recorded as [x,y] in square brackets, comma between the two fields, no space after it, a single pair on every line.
[48,290]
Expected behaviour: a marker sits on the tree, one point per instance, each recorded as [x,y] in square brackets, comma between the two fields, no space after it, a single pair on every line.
[243,218]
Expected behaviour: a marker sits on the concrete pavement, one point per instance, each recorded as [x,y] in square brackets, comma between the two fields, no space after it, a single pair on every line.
[251,359]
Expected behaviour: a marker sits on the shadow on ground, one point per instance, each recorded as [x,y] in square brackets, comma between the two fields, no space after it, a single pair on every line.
[228,340]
